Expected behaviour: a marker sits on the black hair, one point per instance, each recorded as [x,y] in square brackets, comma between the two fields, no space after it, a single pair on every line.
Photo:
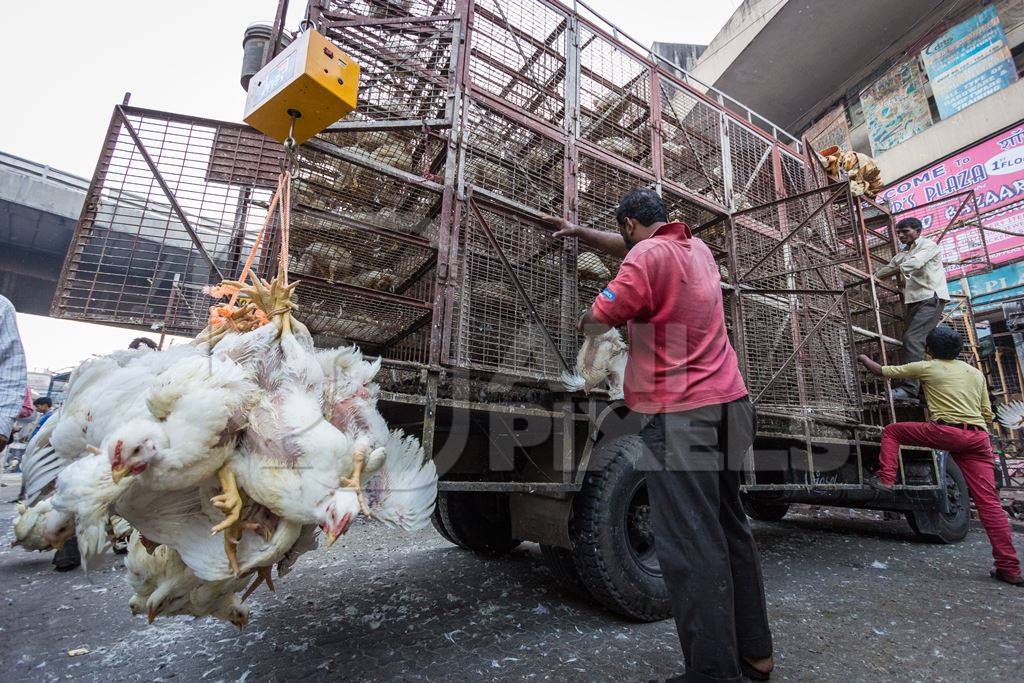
[140,341]
[910,224]
[642,205]
[944,342]
[43,399]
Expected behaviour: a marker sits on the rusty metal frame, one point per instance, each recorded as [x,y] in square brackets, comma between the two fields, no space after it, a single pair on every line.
[159,177]
[564,41]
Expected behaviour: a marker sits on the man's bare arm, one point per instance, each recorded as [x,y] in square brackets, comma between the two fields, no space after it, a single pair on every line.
[608,242]
[869,363]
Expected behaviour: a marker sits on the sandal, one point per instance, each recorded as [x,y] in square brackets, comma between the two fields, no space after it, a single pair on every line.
[998,575]
[753,673]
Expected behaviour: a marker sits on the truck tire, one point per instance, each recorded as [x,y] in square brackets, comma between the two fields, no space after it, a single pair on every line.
[764,511]
[610,531]
[438,524]
[477,521]
[935,526]
[563,568]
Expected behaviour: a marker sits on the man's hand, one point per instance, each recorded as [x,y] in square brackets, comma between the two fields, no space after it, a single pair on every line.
[590,325]
[562,227]
[869,363]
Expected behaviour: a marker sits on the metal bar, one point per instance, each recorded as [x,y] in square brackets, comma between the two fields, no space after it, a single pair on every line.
[275,35]
[395,124]
[360,291]
[794,231]
[952,220]
[354,20]
[515,282]
[506,486]
[178,211]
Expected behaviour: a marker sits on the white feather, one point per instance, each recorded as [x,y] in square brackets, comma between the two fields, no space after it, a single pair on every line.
[1011,415]
[403,491]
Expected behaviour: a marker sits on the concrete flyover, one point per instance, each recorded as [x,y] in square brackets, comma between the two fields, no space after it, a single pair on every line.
[39,206]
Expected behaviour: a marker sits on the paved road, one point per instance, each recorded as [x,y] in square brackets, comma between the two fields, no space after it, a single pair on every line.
[851,599]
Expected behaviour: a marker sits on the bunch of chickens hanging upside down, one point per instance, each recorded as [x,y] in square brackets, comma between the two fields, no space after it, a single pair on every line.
[248,432]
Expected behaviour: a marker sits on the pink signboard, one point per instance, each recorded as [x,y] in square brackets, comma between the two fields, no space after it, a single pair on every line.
[994,169]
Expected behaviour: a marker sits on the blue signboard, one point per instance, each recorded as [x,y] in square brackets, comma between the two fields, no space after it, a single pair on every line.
[969,62]
[988,288]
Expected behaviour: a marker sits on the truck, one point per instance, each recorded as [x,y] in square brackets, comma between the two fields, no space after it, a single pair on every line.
[417,232]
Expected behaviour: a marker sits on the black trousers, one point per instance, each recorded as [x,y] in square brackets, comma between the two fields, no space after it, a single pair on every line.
[706,550]
[921,318]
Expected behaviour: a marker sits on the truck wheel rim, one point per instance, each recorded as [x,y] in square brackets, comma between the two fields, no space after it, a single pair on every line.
[638,530]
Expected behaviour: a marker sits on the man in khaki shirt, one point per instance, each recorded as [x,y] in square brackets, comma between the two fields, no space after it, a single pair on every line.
[960,412]
[924,293]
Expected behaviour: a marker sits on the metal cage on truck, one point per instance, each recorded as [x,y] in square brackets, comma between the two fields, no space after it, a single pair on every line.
[417,235]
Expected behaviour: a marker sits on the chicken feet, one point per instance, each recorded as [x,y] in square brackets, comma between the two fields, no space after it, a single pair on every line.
[229,501]
[263,575]
[359,462]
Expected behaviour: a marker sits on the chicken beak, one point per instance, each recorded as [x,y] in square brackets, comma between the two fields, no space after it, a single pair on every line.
[119,474]
[150,614]
[339,530]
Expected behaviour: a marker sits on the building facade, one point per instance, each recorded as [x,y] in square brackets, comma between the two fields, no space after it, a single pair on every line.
[933,90]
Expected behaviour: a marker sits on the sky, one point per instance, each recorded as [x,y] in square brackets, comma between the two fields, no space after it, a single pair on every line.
[65,69]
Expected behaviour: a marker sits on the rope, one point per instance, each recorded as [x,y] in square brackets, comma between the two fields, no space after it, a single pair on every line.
[280,202]
[259,240]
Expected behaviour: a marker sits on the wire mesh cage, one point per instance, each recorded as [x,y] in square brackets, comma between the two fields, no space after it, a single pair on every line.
[405,66]
[691,144]
[418,221]
[513,160]
[176,201]
[614,98]
[516,305]
[518,55]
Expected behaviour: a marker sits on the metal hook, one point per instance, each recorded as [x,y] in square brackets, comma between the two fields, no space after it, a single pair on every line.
[289,142]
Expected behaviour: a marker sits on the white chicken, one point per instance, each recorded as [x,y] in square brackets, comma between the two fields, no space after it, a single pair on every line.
[182,520]
[350,401]
[164,585]
[330,261]
[290,459]
[83,499]
[403,490]
[601,359]
[102,394]
[252,433]
[1011,415]
[184,441]
[30,524]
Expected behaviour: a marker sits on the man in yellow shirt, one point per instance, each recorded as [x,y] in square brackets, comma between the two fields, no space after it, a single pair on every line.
[960,412]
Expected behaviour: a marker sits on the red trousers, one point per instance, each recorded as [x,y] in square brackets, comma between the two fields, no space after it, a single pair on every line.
[972,451]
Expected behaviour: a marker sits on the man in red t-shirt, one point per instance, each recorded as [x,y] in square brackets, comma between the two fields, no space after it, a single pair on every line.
[683,374]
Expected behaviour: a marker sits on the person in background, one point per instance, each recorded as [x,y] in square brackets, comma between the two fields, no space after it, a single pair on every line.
[142,341]
[44,408]
[683,376]
[960,411]
[925,294]
[13,372]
